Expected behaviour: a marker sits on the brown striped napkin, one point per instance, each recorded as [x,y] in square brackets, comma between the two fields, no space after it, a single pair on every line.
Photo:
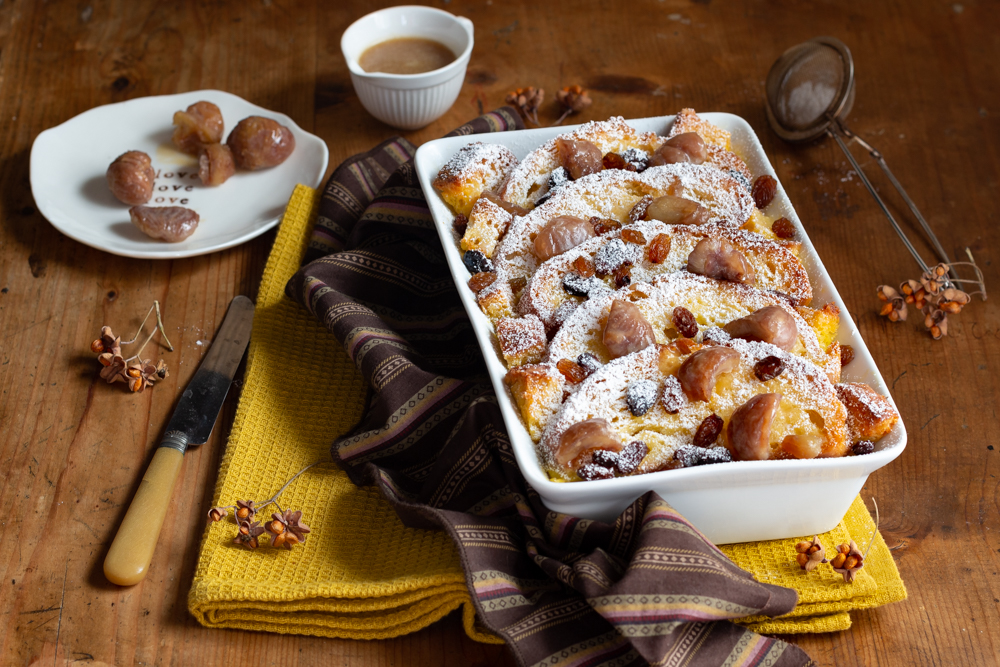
[562,591]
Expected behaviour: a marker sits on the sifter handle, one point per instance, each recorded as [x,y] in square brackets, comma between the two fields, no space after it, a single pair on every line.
[131,552]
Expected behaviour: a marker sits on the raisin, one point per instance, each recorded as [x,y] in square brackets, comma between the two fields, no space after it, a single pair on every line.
[476,262]
[558,178]
[846,354]
[460,223]
[518,284]
[593,471]
[610,256]
[764,189]
[708,431]
[576,285]
[603,225]
[659,248]
[584,267]
[673,398]
[572,371]
[616,161]
[684,322]
[605,458]
[631,456]
[633,236]
[640,396]
[863,447]
[684,345]
[768,368]
[638,211]
[689,455]
[636,158]
[741,178]
[623,275]
[480,281]
[589,362]
[783,228]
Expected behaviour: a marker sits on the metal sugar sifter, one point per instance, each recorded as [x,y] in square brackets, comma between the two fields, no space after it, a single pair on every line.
[810,90]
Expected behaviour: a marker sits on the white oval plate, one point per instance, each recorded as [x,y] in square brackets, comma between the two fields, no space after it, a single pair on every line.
[69,161]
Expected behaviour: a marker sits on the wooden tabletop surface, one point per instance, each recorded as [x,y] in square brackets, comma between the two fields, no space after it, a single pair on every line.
[72,448]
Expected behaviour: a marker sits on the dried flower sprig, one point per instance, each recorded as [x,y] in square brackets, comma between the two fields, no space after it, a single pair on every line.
[285,528]
[810,554]
[573,99]
[934,295]
[527,100]
[136,372]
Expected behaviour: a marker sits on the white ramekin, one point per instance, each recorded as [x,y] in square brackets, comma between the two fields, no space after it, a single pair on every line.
[408,101]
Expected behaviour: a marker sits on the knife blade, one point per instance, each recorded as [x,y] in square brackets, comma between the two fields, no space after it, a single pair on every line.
[131,552]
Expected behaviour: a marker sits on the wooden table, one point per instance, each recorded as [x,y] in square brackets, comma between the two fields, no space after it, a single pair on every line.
[72,448]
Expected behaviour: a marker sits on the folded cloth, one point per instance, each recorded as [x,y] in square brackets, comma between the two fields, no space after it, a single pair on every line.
[648,588]
[362,574]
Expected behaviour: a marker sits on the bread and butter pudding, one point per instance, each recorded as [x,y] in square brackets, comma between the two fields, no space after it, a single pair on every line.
[650,313]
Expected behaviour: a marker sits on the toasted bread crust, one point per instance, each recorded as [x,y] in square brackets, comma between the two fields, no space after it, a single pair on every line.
[869,414]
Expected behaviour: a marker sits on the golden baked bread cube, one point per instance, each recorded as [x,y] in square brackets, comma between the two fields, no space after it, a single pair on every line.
[689,121]
[824,322]
[496,300]
[537,391]
[870,415]
[487,224]
[475,168]
[522,340]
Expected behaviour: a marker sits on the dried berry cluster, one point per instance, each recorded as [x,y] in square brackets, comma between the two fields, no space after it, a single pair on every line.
[136,372]
[934,295]
[285,528]
[571,99]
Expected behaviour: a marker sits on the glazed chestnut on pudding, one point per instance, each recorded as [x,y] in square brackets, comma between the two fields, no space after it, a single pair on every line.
[626,330]
[749,429]
[677,211]
[699,372]
[686,147]
[771,324]
[584,437]
[579,158]
[562,234]
[717,258]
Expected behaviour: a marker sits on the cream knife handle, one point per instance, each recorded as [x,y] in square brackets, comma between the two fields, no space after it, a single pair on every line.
[131,552]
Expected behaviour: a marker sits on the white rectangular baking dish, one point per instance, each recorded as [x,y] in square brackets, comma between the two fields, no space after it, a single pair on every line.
[730,502]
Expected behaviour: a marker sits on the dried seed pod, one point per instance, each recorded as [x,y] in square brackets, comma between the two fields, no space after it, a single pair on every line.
[810,554]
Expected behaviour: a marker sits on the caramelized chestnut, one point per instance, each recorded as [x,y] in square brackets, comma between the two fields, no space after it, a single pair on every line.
[561,234]
[258,143]
[687,147]
[717,258]
[579,157]
[167,223]
[584,437]
[699,372]
[199,125]
[677,211]
[131,177]
[749,429]
[771,324]
[215,164]
[626,330]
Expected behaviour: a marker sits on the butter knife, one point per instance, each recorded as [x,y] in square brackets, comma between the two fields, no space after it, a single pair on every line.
[131,551]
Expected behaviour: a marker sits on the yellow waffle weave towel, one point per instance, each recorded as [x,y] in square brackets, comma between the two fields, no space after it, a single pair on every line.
[362,574]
